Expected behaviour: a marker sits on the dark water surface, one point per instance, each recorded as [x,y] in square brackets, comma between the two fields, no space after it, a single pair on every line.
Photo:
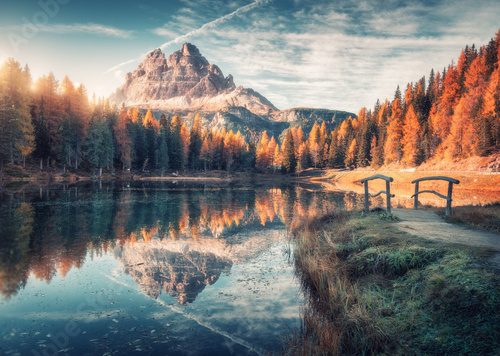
[154,268]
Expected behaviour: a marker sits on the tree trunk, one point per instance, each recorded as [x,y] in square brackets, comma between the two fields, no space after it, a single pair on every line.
[100,172]
[41,164]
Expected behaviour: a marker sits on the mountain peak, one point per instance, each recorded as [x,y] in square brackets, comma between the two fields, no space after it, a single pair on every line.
[185,81]
[155,53]
[189,49]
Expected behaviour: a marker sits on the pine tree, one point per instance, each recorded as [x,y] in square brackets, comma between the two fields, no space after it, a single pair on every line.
[163,158]
[94,148]
[205,152]
[175,145]
[151,127]
[288,154]
[16,129]
[195,142]
[49,117]
[123,140]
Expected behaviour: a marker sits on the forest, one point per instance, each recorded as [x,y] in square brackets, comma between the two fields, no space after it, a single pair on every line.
[453,114]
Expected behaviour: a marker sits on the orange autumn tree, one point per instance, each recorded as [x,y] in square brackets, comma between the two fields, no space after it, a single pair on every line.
[393,149]
[412,133]
[350,157]
[262,152]
[314,145]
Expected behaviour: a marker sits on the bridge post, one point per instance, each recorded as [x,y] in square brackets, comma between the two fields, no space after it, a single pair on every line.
[447,197]
[415,197]
[448,210]
[388,193]
[367,201]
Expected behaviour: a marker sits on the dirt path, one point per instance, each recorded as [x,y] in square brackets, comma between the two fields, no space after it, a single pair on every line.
[428,225]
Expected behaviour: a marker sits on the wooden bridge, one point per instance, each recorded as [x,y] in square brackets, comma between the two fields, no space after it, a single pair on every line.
[387,191]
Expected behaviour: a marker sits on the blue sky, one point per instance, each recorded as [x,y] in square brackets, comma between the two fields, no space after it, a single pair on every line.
[331,54]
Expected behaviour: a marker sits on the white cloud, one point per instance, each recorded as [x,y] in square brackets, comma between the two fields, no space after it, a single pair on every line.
[165,32]
[341,54]
[200,30]
[89,28]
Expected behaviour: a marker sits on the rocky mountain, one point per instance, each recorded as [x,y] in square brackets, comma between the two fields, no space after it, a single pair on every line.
[306,117]
[185,82]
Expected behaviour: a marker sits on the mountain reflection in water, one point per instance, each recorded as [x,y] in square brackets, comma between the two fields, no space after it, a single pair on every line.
[172,239]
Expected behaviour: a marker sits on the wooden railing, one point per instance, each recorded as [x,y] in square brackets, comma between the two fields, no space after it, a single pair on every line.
[448,197]
[387,191]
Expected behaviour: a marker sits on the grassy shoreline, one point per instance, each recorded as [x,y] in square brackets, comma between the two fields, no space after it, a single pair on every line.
[32,175]
[374,289]
[479,217]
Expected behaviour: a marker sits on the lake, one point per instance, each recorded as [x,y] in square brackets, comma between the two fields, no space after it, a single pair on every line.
[152,268]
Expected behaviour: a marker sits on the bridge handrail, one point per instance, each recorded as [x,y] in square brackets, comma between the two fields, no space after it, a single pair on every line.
[430,191]
[377,176]
[447,179]
[387,191]
[447,197]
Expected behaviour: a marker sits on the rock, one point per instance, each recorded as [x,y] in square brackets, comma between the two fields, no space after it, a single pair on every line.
[185,81]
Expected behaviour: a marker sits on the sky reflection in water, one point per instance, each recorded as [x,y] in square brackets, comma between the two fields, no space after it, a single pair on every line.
[155,268]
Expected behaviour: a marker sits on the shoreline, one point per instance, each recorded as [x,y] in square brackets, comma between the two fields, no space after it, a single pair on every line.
[475,188]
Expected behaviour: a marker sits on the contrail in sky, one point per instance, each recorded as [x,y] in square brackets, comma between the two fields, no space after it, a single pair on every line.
[207,26]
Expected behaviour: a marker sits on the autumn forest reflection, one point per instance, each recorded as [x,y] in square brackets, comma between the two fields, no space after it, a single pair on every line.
[169,238]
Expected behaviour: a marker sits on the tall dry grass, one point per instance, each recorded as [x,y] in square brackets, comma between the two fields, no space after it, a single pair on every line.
[336,319]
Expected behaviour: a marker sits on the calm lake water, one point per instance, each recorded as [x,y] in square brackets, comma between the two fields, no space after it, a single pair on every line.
[154,268]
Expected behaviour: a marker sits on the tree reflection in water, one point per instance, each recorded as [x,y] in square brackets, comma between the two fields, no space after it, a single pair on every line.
[176,240]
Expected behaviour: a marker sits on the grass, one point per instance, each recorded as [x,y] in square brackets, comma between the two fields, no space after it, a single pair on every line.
[484,217]
[373,289]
